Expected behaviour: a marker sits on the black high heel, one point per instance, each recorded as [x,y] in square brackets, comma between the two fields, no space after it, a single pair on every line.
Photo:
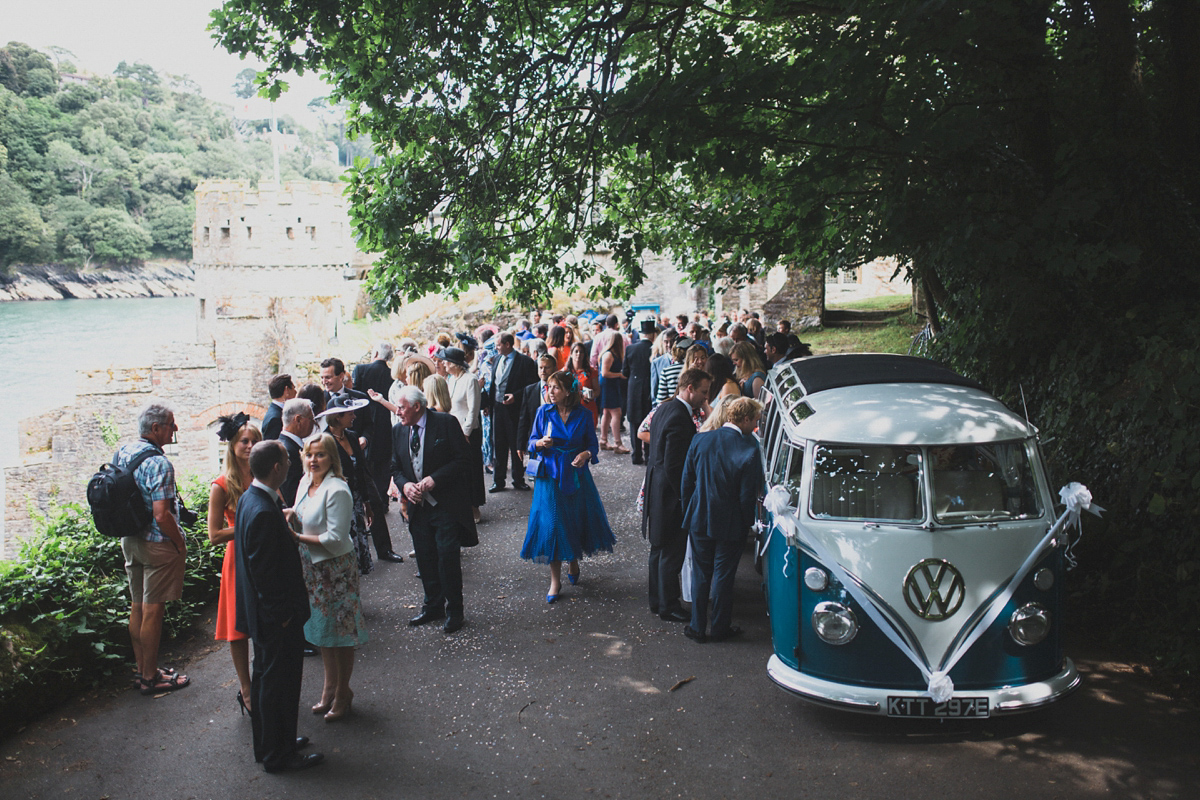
[241,702]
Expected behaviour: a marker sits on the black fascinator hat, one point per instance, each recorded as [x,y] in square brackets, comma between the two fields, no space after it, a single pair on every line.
[227,427]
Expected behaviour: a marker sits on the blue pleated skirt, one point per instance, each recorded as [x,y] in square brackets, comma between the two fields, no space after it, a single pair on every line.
[564,527]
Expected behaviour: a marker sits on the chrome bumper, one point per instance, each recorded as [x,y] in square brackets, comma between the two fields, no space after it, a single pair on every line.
[873,700]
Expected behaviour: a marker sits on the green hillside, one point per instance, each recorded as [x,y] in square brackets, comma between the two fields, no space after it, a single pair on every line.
[100,169]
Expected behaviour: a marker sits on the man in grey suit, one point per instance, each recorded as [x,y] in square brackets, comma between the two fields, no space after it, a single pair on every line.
[722,478]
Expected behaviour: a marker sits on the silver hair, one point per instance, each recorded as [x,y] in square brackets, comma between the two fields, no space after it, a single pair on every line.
[724,345]
[384,351]
[413,396]
[537,347]
[153,414]
[296,407]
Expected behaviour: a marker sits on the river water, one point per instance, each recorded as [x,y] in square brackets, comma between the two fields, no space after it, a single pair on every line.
[45,342]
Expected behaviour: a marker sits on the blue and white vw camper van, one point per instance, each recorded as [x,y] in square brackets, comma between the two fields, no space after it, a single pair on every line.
[911,556]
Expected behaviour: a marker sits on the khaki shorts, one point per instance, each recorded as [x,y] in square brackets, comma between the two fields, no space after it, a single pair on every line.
[155,570]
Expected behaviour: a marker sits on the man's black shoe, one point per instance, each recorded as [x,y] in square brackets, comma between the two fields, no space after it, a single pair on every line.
[453,624]
[678,615]
[424,617]
[310,649]
[694,635]
[395,558]
[296,761]
[521,487]
[301,742]
[496,487]
[637,462]
[732,633]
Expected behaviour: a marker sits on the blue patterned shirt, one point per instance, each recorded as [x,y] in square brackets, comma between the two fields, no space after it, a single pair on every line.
[155,477]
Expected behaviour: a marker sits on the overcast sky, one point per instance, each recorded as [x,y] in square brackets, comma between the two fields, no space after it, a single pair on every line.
[169,35]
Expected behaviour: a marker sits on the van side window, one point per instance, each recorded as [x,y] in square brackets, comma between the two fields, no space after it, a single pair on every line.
[795,474]
[876,482]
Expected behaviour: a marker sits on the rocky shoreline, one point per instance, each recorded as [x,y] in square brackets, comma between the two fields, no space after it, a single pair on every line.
[155,279]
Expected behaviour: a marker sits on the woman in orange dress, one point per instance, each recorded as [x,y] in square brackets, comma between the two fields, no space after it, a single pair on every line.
[558,344]
[582,370]
[240,436]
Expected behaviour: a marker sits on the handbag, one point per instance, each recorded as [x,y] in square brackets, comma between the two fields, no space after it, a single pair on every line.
[533,467]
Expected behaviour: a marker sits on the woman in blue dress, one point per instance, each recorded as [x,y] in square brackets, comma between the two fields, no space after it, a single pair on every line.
[566,519]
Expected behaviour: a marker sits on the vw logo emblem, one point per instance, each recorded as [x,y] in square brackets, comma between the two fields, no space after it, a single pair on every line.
[934,589]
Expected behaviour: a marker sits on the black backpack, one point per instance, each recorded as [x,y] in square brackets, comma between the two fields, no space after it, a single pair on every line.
[118,507]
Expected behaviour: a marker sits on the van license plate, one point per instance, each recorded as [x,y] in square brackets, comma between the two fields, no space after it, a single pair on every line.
[924,707]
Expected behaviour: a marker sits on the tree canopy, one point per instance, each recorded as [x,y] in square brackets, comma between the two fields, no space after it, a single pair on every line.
[1033,163]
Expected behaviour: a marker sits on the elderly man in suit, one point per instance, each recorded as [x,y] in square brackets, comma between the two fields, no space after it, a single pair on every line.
[375,426]
[272,607]
[430,464]
[535,398]
[722,478]
[671,433]
[298,424]
[511,373]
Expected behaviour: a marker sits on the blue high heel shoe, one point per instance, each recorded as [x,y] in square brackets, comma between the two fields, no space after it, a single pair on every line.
[550,598]
[574,579]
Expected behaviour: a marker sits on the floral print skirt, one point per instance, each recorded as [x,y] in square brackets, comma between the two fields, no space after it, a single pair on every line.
[337,619]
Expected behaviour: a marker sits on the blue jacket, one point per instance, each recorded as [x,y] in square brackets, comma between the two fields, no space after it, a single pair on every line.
[722,479]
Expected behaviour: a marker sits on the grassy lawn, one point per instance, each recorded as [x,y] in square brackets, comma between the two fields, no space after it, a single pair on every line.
[895,302]
[894,337]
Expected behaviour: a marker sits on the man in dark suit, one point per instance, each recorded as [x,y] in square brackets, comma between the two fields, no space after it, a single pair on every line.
[375,425]
[281,389]
[511,373]
[298,424]
[637,369]
[671,433]
[430,465]
[722,478]
[272,607]
[535,398]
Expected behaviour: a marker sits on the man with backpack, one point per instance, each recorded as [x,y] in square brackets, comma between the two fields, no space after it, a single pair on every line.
[154,556]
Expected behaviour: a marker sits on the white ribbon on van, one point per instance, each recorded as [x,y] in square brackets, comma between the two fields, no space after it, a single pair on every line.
[939,686]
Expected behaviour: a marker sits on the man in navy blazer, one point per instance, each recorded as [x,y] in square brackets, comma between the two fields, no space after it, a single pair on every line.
[272,607]
[722,478]
[281,389]
[671,433]
[637,369]
[431,468]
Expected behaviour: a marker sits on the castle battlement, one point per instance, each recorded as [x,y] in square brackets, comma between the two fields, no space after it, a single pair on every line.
[294,224]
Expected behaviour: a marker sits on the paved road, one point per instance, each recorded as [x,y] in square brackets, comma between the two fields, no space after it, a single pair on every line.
[575,700]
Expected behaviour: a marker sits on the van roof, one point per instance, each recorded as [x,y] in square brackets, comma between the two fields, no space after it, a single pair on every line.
[818,373]
[886,399]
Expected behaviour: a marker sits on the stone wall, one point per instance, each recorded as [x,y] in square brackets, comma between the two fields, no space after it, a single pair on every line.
[793,294]
[61,448]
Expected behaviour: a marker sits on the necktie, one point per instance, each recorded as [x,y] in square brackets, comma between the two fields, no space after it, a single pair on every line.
[415,444]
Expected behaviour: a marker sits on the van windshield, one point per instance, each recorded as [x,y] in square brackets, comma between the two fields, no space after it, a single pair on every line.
[869,482]
[982,483]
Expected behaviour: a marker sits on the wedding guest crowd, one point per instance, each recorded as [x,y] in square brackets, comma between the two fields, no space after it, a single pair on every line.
[301,500]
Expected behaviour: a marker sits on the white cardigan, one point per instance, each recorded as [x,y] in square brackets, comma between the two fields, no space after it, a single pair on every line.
[326,514]
[464,401]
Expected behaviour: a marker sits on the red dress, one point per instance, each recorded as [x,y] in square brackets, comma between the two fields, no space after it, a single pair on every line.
[227,600]
[588,382]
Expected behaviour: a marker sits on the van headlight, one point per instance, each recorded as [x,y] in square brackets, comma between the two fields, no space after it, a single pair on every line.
[1029,624]
[834,623]
[816,579]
